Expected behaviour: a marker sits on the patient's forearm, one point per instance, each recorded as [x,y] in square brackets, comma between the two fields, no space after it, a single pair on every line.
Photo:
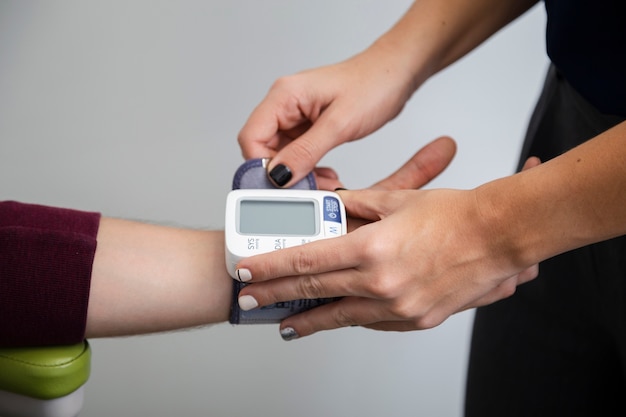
[149,278]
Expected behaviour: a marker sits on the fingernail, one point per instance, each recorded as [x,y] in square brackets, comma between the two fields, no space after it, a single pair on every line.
[280,174]
[243,275]
[341,189]
[289,333]
[247,302]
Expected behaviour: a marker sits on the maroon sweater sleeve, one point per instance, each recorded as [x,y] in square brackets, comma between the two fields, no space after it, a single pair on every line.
[46,257]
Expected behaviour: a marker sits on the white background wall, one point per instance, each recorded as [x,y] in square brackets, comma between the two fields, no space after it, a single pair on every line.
[132,108]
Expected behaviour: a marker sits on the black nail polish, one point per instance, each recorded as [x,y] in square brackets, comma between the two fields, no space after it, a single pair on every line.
[280,174]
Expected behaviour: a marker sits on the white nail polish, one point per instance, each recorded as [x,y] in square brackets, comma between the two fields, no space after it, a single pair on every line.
[247,302]
[244,275]
[289,333]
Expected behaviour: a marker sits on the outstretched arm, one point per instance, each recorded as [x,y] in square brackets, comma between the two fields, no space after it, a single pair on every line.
[150,278]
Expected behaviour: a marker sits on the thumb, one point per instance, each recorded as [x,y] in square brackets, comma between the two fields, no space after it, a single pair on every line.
[368,204]
[423,166]
[300,156]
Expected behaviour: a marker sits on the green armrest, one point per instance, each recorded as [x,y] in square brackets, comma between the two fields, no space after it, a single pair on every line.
[45,372]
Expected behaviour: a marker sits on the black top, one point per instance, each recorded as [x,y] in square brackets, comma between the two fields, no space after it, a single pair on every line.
[586,40]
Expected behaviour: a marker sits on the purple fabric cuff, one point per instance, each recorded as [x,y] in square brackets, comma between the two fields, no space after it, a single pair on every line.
[46,258]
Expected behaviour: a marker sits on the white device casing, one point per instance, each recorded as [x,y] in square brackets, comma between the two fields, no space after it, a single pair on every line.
[330,218]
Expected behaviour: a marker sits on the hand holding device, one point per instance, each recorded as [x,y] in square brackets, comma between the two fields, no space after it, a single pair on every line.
[261,218]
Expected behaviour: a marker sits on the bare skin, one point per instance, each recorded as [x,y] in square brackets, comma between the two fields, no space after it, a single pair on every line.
[428,254]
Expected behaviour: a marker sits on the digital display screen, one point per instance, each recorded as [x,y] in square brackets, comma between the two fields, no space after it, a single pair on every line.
[275,217]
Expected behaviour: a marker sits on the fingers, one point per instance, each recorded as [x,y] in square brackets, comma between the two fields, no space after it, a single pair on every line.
[276,118]
[327,179]
[342,267]
[330,184]
[259,137]
[528,274]
[348,311]
[313,258]
[291,159]
[371,204]
[423,166]
[296,125]
[506,288]
[372,313]
[366,312]
[341,313]
[326,172]
[306,287]
[327,254]
[299,157]
[531,162]
[418,171]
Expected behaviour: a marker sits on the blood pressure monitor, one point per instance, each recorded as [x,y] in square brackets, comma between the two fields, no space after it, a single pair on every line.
[263,220]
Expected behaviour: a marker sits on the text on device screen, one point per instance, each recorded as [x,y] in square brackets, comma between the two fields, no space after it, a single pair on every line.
[283,218]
